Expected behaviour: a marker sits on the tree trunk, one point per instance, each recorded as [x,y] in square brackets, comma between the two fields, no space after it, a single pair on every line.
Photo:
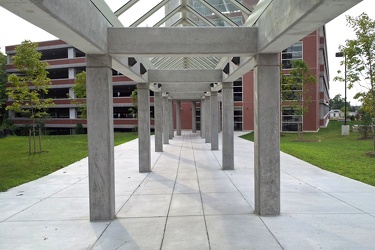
[40,139]
[29,141]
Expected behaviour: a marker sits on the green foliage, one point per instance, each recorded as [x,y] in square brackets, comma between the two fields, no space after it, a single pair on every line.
[338,102]
[29,85]
[79,129]
[134,99]
[79,89]
[295,89]
[365,128]
[17,166]
[359,61]
[27,89]
[329,150]
[3,81]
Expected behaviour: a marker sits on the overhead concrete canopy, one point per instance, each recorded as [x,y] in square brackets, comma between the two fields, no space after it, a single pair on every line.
[230,32]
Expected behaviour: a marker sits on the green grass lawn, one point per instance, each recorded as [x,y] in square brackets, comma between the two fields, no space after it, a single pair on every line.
[344,155]
[17,166]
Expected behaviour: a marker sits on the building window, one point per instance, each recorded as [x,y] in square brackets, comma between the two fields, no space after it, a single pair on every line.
[290,119]
[198,117]
[237,90]
[237,118]
[293,52]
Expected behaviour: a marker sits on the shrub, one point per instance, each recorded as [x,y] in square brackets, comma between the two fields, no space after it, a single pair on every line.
[79,129]
[366,126]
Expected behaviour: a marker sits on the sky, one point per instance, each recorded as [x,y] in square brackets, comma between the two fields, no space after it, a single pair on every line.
[15,30]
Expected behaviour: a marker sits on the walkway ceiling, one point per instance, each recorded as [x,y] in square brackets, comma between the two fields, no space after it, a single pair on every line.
[180,39]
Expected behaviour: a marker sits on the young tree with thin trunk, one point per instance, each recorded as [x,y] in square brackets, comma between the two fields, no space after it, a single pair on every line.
[294,91]
[29,85]
[359,56]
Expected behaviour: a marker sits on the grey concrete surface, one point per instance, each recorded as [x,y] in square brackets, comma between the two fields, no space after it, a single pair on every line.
[188,202]
[267,134]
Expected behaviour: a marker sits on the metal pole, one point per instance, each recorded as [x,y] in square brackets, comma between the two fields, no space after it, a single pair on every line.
[345,89]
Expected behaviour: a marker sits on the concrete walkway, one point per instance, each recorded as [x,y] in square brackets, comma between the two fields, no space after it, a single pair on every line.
[187,202]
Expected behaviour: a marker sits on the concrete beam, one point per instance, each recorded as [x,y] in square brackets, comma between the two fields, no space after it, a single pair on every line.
[79,23]
[185,87]
[188,41]
[186,96]
[292,20]
[185,75]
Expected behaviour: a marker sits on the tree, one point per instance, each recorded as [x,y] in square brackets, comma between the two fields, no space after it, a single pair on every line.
[3,81]
[29,85]
[79,89]
[294,91]
[359,58]
[338,102]
[134,99]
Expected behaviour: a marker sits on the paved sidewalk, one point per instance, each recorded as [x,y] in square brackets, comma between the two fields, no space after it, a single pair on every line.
[187,202]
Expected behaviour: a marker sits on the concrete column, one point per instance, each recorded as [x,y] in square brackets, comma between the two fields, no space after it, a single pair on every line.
[165,119]
[100,137]
[71,93]
[207,119]
[193,117]
[71,53]
[158,121]
[72,73]
[72,113]
[267,134]
[171,127]
[178,117]
[214,121]
[228,126]
[144,143]
[202,109]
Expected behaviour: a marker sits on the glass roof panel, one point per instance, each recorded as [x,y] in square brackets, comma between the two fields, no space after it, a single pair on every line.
[139,9]
[249,4]
[198,21]
[208,14]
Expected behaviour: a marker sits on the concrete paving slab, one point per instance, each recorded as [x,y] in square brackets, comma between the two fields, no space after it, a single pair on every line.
[225,203]
[323,231]
[51,209]
[133,233]
[245,231]
[186,186]
[192,235]
[36,235]
[12,206]
[188,202]
[145,206]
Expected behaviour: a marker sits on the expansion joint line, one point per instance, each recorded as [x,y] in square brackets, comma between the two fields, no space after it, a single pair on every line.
[174,186]
[200,195]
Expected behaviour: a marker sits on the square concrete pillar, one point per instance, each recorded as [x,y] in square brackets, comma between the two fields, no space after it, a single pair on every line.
[166,119]
[178,117]
[193,117]
[144,143]
[267,134]
[214,121]
[171,125]
[158,121]
[202,114]
[100,137]
[228,126]
[207,119]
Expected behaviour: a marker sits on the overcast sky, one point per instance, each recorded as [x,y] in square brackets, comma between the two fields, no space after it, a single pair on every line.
[14,30]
